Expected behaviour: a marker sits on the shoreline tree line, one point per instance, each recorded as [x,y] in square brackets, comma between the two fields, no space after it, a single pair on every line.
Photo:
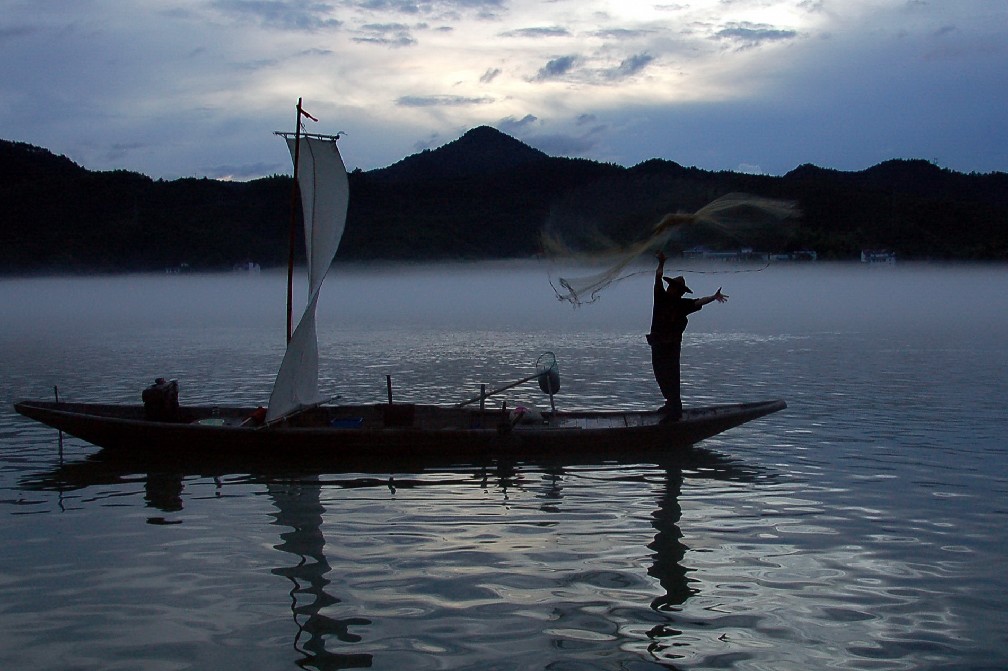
[485,195]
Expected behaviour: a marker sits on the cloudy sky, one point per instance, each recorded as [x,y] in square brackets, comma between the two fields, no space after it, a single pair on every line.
[174,88]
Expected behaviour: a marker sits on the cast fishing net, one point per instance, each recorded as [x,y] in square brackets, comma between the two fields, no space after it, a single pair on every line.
[735,218]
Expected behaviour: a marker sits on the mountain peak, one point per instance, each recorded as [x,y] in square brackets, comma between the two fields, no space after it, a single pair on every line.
[480,151]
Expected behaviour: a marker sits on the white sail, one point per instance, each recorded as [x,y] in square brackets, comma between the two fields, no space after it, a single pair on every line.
[325,193]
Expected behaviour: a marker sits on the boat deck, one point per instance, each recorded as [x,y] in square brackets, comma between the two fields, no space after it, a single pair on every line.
[439,418]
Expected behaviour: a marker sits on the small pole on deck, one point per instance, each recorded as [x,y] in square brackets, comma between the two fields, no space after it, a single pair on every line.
[56,392]
[482,397]
[388,386]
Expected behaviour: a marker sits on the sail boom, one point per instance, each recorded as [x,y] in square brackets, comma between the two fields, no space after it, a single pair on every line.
[287,135]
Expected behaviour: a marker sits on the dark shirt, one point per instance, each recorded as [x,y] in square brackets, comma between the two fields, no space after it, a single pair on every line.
[669,316]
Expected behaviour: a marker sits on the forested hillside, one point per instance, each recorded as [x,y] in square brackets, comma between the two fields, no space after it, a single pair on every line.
[485,195]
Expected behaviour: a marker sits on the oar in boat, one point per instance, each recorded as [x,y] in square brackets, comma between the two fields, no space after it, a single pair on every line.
[547,374]
[488,394]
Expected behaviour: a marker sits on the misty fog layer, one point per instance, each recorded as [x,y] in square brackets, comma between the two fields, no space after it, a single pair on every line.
[492,297]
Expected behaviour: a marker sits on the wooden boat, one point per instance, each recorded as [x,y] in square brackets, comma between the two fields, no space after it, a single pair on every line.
[380,431]
[296,420]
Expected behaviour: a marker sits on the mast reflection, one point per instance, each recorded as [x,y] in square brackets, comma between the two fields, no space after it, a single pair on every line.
[299,509]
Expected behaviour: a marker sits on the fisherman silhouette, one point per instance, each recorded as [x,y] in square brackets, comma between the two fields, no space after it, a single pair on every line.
[669,318]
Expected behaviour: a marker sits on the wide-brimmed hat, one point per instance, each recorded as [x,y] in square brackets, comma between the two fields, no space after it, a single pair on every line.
[680,282]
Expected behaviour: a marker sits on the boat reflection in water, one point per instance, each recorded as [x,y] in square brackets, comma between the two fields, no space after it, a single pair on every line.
[302,498]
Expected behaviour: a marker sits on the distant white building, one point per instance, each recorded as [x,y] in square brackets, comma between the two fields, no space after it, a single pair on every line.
[250,267]
[878,256]
[176,270]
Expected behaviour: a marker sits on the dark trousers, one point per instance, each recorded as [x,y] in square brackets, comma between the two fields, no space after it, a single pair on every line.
[665,361]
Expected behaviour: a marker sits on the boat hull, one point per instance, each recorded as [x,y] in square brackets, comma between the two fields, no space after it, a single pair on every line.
[371,432]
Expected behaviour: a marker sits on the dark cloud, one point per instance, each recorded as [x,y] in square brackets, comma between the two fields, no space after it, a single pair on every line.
[441,101]
[433,140]
[14,32]
[563,66]
[316,52]
[402,6]
[555,68]
[594,127]
[631,66]
[753,34]
[560,144]
[119,150]
[511,125]
[285,14]
[386,34]
[490,75]
[621,33]
[554,31]
[254,66]
[442,9]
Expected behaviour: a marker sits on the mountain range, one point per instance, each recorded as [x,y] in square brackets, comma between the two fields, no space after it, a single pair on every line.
[484,195]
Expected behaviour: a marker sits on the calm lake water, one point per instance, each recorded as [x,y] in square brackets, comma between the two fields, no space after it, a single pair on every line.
[865,527]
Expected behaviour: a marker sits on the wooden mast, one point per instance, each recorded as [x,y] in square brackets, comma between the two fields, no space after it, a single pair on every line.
[295,198]
[293,222]
[295,193]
